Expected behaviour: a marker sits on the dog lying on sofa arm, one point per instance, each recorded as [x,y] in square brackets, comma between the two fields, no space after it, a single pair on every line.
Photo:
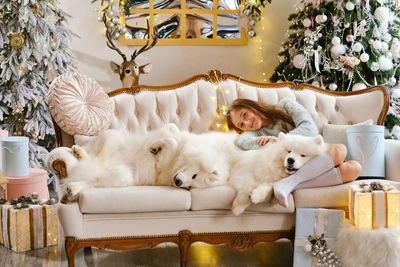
[192,106]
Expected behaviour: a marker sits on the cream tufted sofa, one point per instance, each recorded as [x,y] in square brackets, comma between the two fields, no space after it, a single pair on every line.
[145,216]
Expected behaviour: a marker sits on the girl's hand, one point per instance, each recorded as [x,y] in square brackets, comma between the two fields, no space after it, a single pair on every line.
[262,140]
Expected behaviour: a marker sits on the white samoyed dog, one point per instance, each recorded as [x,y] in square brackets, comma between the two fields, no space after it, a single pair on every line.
[118,158]
[254,172]
[199,160]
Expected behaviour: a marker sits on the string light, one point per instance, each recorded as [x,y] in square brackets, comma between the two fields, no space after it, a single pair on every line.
[260,47]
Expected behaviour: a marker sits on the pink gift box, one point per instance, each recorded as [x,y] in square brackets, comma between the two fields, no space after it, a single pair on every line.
[36,181]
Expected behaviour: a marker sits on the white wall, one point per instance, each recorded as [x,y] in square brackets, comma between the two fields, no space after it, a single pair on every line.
[172,64]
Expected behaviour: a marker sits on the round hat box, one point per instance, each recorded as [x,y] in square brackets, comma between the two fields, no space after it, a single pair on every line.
[35,182]
[15,155]
[365,144]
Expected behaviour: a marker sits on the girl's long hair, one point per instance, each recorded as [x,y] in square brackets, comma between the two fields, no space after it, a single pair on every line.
[266,111]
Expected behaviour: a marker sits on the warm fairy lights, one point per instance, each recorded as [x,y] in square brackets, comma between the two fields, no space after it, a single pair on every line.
[222,109]
[261,49]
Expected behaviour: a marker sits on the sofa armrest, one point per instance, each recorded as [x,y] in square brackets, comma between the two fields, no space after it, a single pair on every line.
[71,219]
[392,159]
[60,160]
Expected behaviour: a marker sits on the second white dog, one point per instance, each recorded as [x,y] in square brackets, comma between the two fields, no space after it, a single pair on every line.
[256,170]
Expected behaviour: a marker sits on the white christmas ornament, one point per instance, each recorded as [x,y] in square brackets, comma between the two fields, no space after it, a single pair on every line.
[338,50]
[307,247]
[392,81]
[299,61]
[323,18]
[374,66]
[349,6]
[357,47]
[307,22]
[364,57]
[385,47]
[332,86]
[377,45]
[395,48]
[335,40]
[385,63]
[315,83]
[382,14]
[358,86]
[387,37]
[307,32]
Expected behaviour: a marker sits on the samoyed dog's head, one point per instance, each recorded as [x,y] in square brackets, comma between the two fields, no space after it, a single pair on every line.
[300,149]
[200,166]
[193,175]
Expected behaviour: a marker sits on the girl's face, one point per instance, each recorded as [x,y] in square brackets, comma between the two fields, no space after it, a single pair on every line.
[246,120]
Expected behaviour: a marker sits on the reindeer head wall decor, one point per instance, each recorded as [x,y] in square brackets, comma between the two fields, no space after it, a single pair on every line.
[129,71]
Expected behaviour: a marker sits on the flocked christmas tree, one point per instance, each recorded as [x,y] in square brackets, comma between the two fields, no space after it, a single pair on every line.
[33,42]
[345,46]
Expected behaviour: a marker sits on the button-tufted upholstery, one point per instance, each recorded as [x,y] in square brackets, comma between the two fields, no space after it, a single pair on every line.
[193,106]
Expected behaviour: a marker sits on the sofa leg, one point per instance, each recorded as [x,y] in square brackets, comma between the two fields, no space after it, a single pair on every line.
[184,244]
[70,249]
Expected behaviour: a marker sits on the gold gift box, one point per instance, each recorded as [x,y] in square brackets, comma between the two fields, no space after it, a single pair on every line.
[374,209]
[28,228]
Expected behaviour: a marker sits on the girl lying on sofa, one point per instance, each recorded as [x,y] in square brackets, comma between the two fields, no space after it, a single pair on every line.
[259,124]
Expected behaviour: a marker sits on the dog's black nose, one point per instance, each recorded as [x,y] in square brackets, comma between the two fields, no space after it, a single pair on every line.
[177,181]
[290,161]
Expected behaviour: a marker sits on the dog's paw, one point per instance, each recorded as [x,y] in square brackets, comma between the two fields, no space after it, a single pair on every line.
[237,210]
[240,203]
[257,196]
[262,193]
[74,188]
[78,152]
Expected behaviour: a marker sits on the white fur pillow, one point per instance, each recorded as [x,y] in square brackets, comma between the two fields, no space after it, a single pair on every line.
[79,104]
[336,134]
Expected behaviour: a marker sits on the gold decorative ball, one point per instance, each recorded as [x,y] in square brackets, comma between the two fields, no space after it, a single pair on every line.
[17,41]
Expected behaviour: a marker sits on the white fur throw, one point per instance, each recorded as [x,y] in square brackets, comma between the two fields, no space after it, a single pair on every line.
[368,247]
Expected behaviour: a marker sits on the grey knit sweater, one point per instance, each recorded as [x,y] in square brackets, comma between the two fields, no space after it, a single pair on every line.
[304,125]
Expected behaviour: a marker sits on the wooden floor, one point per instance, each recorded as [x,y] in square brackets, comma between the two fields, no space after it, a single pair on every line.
[264,254]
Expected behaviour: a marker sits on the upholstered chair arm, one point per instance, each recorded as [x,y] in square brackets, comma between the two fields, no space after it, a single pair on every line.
[60,160]
[392,159]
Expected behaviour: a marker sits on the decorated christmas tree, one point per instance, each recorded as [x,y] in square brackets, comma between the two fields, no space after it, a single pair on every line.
[33,42]
[345,46]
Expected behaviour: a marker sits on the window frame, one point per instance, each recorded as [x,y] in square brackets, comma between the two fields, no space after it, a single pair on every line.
[182,40]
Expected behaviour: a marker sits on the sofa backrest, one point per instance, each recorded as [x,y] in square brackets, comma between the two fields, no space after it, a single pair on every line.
[197,104]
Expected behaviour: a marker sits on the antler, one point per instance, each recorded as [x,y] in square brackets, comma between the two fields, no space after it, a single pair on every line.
[147,46]
[112,46]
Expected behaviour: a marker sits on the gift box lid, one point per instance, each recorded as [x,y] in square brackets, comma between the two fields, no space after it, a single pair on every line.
[35,176]
[12,141]
[365,129]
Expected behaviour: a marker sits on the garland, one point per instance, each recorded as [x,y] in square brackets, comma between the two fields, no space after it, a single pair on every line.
[24,202]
